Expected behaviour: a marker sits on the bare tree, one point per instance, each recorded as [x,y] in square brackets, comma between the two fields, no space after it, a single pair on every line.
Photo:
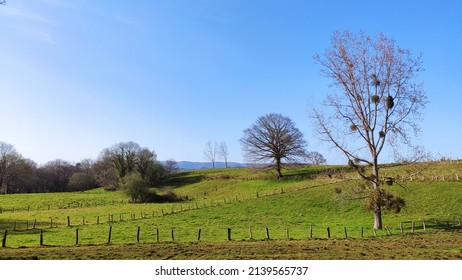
[224,152]
[315,158]
[84,177]
[274,138]
[171,166]
[378,103]
[54,175]
[15,171]
[105,174]
[144,161]
[8,155]
[211,152]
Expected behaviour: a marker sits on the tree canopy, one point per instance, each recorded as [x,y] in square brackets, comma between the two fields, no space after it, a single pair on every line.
[273,138]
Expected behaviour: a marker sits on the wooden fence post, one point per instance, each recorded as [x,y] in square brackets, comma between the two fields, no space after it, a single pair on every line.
[68,221]
[35,222]
[311,231]
[250,232]
[97,220]
[229,234]
[328,232]
[287,233]
[41,237]
[4,238]
[413,228]
[199,235]
[138,234]
[173,235]
[51,222]
[401,227]
[109,235]
[157,234]
[362,232]
[76,236]
[388,230]
[267,234]
[346,233]
[423,225]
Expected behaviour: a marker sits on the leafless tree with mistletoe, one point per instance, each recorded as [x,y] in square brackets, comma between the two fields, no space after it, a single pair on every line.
[377,103]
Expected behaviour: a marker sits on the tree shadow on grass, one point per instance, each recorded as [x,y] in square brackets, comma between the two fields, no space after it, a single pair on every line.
[181,179]
[440,224]
[311,172]
[22,226]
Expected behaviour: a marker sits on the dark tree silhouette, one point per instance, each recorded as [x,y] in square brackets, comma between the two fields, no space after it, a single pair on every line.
[274,138]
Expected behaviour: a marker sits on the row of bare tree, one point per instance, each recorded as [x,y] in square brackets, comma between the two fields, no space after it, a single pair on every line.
[214,151]
[22,175]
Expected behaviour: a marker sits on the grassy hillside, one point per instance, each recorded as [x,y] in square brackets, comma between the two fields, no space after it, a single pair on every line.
[248,201]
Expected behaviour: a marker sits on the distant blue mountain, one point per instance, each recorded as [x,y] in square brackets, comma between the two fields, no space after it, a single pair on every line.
[189,165]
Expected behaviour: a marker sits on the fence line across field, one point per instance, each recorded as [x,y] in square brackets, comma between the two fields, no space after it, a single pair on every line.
[239,197]
[109,218]
[170,235]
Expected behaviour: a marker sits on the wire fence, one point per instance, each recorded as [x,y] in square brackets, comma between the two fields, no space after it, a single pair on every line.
[152,234]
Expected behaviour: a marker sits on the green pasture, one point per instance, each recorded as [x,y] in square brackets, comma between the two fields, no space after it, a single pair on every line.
[250,202]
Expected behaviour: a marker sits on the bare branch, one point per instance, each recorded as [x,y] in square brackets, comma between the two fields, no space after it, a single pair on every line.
[378,100]
[273,137]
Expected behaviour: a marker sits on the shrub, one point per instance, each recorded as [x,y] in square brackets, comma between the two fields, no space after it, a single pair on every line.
[136,188]
[138,191]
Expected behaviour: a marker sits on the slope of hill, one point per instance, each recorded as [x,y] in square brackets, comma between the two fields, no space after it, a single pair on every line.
[246,200]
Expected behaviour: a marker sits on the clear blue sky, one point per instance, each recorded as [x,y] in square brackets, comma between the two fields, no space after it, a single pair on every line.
[79,76]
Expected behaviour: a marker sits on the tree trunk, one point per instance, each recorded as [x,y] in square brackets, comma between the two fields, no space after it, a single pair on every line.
[278,168]
[378,217]
[378,202]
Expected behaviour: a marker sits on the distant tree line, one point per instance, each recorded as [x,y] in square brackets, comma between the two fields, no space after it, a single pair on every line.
[108,171]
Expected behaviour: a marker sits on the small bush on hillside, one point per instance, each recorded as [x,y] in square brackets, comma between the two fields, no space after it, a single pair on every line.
[135,188]
[138,191]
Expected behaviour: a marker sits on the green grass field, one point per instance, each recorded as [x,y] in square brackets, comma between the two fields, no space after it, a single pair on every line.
[296,212]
